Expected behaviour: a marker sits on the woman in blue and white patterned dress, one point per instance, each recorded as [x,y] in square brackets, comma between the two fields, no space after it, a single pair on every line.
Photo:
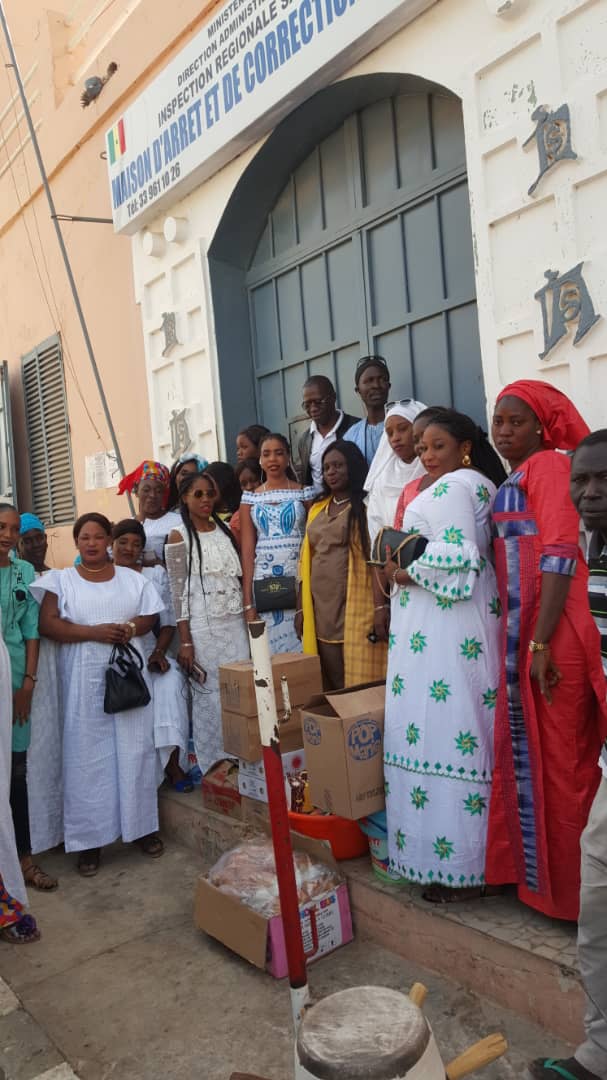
[273,524]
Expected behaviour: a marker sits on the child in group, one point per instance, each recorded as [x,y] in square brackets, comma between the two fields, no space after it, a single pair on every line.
[249,476]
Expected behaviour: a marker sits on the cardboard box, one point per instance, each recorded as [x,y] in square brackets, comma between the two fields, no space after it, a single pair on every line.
[241,734]
[220,789]
[259,939]
[343,740]
[252,776]
[255,812]
[237,688]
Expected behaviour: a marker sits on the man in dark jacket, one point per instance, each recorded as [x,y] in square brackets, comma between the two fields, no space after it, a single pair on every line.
[328,423]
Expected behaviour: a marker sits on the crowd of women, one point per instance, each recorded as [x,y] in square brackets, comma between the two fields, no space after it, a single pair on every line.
[495,693]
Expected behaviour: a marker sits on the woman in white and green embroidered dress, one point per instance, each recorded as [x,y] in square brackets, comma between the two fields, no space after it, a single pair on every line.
[442,678]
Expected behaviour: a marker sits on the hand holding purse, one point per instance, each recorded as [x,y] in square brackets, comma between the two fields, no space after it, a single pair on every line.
[405,548]
[125,686]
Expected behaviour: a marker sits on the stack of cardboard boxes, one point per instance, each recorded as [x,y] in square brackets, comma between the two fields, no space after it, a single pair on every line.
[339,737]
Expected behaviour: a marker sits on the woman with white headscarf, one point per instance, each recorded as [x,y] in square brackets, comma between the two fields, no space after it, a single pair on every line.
[394,466]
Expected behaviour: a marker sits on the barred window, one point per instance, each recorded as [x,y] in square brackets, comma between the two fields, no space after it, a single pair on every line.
[48,433]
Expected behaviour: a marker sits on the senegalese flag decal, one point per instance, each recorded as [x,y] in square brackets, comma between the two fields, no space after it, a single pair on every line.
[116,142]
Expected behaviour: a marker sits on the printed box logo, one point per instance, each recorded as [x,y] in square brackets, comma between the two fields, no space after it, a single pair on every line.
[364,740]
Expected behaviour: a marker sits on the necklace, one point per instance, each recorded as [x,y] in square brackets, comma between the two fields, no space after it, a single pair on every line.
[341,502]
[89,570]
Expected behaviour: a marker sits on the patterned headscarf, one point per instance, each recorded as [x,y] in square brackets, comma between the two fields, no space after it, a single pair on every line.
[201,463]
[148,470]
[562,426]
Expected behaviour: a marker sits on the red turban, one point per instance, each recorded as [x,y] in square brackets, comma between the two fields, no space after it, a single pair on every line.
[562,426]
[147,470]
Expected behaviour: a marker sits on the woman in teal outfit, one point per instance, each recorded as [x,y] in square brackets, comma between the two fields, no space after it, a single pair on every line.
[20,629]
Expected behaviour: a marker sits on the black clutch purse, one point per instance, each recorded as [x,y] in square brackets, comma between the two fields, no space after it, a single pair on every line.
[405,548]
[125,686]
[275,594]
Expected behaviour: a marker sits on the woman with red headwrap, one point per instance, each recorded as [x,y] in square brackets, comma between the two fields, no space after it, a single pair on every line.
[150,483]
[550,713]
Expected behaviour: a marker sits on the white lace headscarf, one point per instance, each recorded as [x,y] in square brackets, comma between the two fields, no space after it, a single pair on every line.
[388,475]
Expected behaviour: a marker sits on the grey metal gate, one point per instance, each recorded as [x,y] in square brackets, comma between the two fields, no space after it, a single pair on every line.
[369,249]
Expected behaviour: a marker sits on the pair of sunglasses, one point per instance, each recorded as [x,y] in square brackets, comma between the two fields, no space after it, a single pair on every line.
[401,401]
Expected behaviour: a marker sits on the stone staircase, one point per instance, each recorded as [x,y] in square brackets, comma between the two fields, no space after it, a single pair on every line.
[495,947]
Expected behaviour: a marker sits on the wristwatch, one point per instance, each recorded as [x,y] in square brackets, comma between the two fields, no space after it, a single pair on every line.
[538,646]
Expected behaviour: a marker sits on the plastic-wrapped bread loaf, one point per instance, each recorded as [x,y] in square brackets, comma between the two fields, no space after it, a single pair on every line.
[247,871]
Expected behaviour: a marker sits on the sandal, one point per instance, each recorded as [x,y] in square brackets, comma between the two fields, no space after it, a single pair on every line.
[151,845]
[37,878]
[88,862]
[442,894]
[24,932]
[561,1069]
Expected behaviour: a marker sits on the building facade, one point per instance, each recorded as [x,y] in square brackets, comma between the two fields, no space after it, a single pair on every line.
[296,184]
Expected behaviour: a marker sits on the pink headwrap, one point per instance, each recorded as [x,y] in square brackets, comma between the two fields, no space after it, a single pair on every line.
[563,427]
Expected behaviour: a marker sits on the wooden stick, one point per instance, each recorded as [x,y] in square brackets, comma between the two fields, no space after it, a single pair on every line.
[418,994]
[476,1057]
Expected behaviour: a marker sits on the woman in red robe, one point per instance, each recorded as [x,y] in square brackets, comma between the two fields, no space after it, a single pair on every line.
[551,714]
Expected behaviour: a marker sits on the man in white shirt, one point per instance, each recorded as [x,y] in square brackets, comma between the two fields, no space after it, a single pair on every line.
[328,424]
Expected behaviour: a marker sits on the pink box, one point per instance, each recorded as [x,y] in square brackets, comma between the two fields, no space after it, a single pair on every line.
[333,924]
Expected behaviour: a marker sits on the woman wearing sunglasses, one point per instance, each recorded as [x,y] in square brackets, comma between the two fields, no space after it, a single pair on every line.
[204,571]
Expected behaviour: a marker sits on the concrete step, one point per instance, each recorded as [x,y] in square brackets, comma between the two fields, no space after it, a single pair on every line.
[496,947]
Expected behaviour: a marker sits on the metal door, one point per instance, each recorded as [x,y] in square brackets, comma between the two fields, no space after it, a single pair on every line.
[369,249]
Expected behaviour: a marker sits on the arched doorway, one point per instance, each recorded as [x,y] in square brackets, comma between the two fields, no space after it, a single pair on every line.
[354,238]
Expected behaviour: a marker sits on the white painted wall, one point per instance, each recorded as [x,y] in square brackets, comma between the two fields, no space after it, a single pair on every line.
[502,66]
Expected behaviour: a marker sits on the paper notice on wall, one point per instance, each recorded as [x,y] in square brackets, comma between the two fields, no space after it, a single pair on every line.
[101,471]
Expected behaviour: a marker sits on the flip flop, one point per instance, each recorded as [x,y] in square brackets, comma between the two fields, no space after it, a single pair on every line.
[553,1068]
[88,862]
[151,845]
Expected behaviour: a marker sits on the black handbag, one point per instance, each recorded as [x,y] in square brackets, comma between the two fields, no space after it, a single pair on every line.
[405,548]
[125,686]
[275,594]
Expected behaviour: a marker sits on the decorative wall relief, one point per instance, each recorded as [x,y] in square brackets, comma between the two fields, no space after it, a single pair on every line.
[169,329]
[181,439]
[564,300]
[552,136]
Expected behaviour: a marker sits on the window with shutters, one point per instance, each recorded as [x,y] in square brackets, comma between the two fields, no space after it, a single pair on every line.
[48,434]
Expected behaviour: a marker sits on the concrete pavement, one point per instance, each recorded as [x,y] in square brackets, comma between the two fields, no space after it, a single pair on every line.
[124,987]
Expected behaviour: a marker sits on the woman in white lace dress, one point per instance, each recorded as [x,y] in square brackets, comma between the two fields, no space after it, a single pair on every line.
[204,574]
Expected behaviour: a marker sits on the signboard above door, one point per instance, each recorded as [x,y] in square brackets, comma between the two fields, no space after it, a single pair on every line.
[250,65]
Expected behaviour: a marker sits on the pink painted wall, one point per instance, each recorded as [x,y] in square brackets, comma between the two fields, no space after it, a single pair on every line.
[35,301]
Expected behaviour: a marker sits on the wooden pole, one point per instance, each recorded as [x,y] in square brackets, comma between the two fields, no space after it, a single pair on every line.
[279,817]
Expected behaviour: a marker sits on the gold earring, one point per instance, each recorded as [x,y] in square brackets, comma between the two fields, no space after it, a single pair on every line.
[466,460]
